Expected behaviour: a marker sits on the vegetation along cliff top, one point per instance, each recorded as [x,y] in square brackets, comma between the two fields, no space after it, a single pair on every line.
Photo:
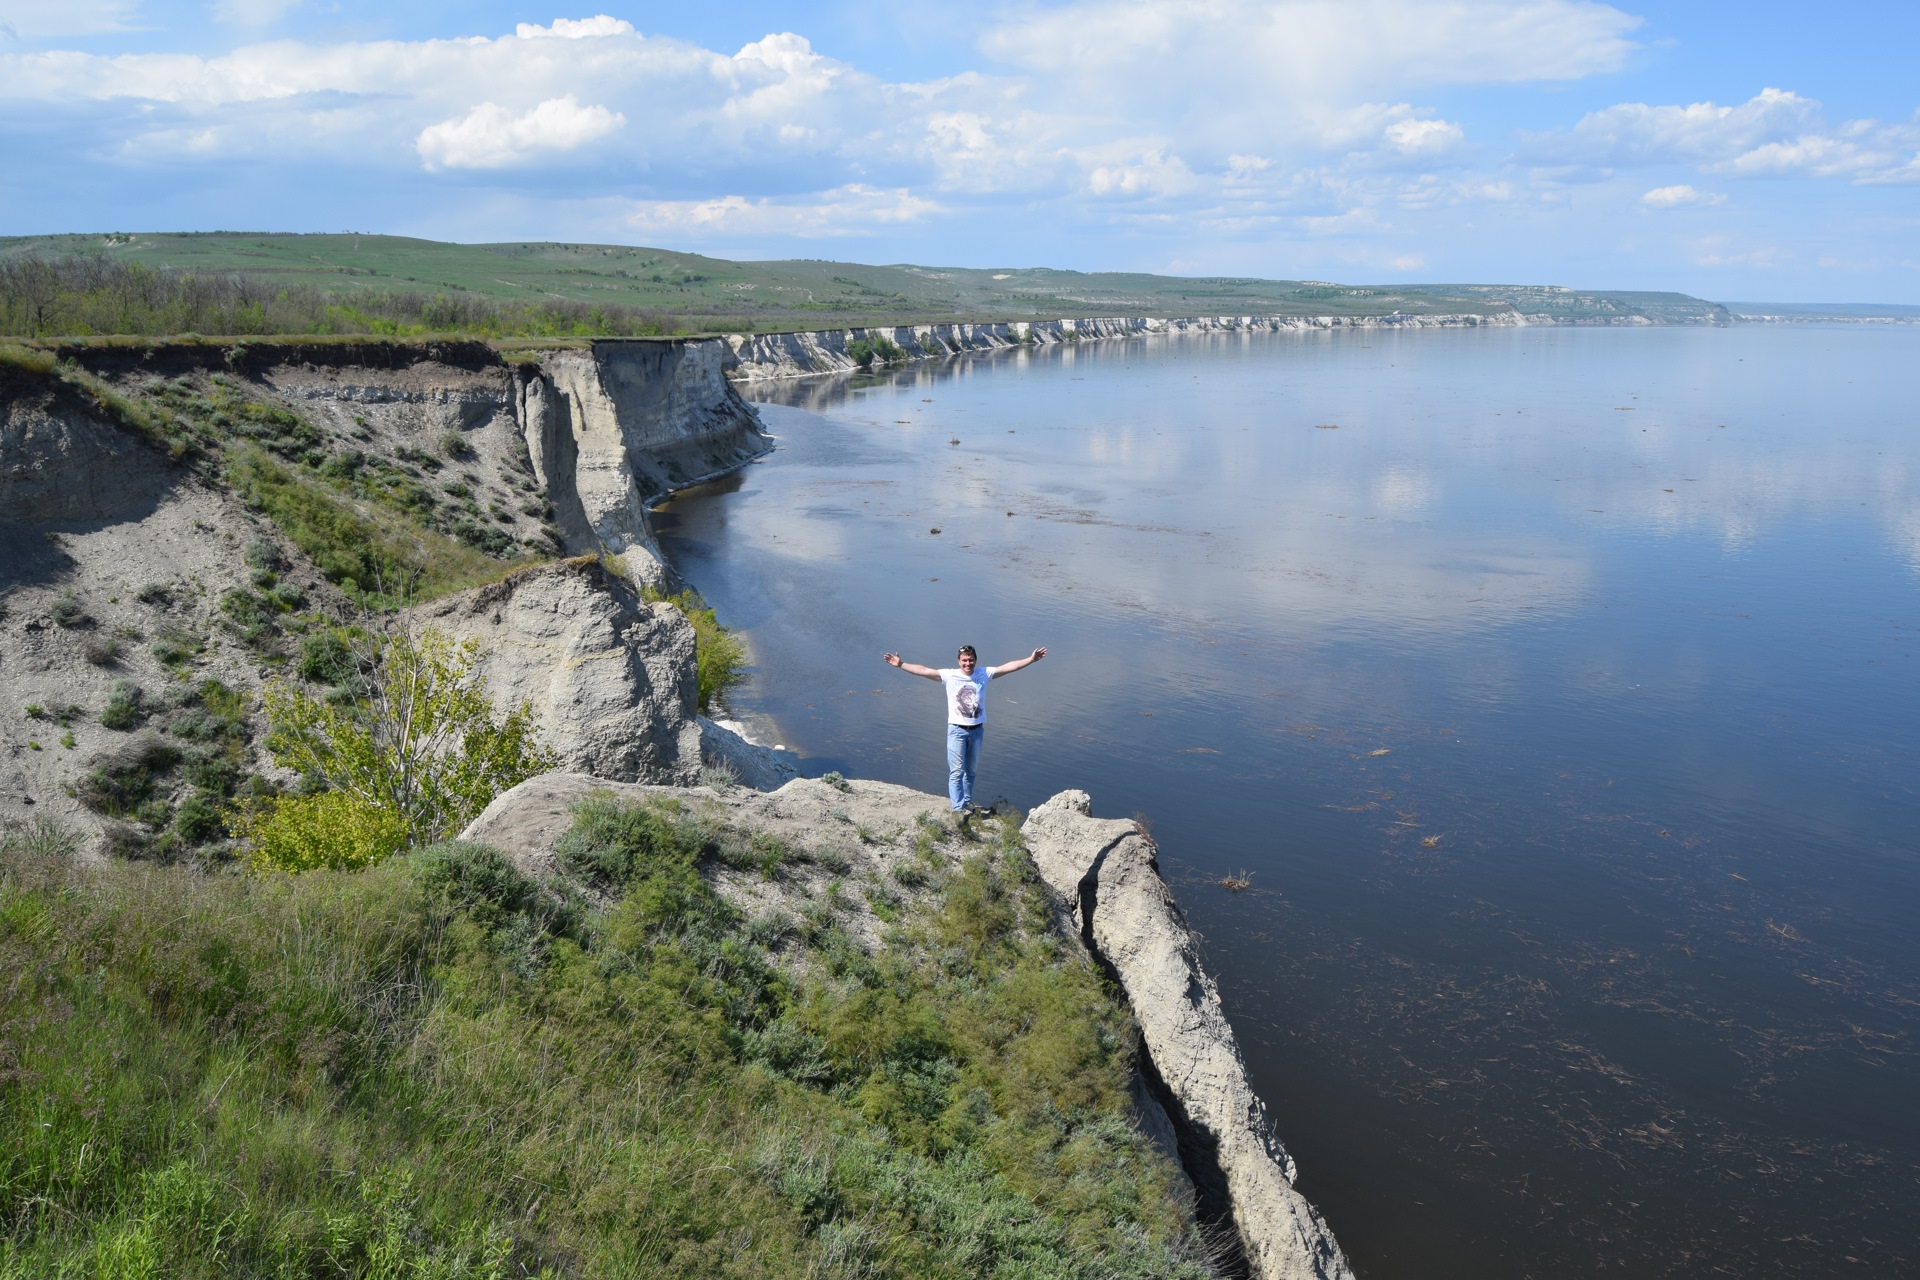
[248,283]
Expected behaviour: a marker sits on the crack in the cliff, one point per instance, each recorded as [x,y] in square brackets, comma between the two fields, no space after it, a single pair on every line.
[1198,1150]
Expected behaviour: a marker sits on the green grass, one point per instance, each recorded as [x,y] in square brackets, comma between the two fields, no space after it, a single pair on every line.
[369,548]
[90,294]
[401,281]
[438,1068]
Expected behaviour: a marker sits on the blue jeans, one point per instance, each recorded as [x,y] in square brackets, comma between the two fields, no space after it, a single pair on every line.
[963,758]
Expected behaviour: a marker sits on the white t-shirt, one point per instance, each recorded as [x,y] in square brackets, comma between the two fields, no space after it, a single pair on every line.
[966,694]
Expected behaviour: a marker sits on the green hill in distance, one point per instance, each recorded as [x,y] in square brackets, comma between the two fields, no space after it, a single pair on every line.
[692,293]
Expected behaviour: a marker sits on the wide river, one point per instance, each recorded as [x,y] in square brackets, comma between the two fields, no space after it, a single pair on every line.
[1556,691]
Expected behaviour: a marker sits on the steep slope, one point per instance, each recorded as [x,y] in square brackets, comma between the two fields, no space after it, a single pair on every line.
[181,523]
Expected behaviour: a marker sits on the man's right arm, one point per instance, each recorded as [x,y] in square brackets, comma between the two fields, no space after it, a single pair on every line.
[911,668]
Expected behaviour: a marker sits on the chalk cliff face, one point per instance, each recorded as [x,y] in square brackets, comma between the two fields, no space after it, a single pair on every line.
[611,428]
[761,357]
[1107,874]
[603,430]
[610,677]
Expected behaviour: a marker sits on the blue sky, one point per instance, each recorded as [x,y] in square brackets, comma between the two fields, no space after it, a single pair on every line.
[1759,151]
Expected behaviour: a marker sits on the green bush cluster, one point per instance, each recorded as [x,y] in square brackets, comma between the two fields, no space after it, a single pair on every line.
[866,351]
[438,1067]
[412,752]
[81,296]
[126,706]
[334,830]
[166,801]
[370,551]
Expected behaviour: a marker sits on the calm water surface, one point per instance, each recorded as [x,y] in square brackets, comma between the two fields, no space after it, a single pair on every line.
[1556,689]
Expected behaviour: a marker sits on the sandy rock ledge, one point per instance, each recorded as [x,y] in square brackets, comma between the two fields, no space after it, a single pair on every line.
[1106,871]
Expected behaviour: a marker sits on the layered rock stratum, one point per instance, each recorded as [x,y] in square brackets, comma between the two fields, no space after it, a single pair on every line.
[771,356]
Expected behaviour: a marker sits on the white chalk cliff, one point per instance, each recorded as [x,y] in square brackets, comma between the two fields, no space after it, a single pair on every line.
[768,356]
[1106,873]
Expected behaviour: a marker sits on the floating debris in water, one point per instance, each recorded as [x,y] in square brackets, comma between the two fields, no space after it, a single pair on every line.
[1326,426]
[1381,751]
[935,529]
[1236,881]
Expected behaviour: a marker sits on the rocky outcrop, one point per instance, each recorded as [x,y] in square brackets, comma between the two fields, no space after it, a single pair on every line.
[725,746]
[855,833]
[609,676]
[762,357]
[613,427]
[1106,873]
[819,822]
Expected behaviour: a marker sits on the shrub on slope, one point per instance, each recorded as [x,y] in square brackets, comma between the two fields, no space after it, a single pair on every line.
[436,1067]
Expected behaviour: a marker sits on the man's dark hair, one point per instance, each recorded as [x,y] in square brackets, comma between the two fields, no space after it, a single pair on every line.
[968,650]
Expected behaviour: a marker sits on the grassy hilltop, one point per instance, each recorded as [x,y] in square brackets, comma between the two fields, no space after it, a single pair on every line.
[548,289]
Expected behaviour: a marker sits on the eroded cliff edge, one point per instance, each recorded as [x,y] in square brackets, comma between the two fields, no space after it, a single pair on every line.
[602,430]
[128,565]
[1192,1098]
[1106,873]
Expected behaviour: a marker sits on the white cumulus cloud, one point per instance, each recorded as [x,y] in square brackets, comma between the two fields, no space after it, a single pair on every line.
[1636,133]
[1151,174]
[1775,132]
[492,137]
[1424,137]
[41,20]
[1680,194]
[1254,50]
[574,28]
[1285,79]
[846,211]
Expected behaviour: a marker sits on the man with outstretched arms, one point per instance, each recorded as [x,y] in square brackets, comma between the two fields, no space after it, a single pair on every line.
[966,687]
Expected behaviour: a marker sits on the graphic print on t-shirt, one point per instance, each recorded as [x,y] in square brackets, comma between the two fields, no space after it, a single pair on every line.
[966,695]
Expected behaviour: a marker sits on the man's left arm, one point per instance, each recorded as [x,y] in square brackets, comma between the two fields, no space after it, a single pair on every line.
[1008,668]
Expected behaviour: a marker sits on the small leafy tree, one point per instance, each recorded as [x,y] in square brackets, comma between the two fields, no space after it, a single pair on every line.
[332,829]
[421,743]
